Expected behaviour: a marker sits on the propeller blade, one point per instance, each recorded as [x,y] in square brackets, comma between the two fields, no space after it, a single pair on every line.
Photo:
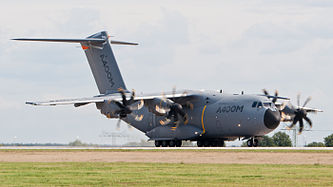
[284,117]
[180,111]
[165,121]
[298,100]
[307,101]
[308,121]
[189,105]
[173,93]
[185,119]
[121,91]
[275,98]
[293,124]
[161,110]
[133,94]
[265,91]
[131,100]
[120,105]
[137,117]
[284,104]
[137,106]
[301,126]
[118,124]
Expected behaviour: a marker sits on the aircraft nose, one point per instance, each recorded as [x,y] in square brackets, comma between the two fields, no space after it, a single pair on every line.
[272,119]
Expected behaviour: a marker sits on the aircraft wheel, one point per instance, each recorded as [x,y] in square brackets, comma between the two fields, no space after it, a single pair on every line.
[178,143]
[172,143]
[206,143]
[255,142]
[220,143]
[165,143]
[199,143]
[213,143]
[157,143]
[250,143]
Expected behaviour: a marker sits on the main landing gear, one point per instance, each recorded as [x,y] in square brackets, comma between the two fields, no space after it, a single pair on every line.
[168,143]
[252,142]
[210,143]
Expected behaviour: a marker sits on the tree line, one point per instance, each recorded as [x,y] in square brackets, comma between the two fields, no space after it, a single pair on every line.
[281,139]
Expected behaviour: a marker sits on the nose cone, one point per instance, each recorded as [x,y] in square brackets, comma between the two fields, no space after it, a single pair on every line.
[272,119]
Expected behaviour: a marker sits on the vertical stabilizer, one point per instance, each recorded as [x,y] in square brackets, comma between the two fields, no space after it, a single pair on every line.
[100,57]
[103,64]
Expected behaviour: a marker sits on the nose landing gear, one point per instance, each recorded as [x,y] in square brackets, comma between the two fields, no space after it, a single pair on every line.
[252,142]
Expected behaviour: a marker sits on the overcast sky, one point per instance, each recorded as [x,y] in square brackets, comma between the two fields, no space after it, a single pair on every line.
[229,45]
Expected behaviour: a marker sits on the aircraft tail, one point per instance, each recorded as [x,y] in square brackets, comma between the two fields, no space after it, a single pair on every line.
[100,58]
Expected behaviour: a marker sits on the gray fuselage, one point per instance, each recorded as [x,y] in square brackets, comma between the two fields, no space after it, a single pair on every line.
[214,115]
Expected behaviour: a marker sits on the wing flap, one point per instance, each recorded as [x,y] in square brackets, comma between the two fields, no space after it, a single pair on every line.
[77,102]
[93,40]
[101,98]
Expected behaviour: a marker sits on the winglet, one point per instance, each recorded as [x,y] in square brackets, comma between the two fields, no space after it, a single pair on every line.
[30,103]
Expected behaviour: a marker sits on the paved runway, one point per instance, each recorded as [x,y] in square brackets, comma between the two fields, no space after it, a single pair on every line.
[167,148]
[150,155]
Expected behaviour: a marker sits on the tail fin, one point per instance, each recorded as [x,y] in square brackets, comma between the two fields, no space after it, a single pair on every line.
[101,60]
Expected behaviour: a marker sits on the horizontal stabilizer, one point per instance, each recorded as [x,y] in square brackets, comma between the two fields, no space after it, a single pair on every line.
[94,40]
[123,43]
[91,40]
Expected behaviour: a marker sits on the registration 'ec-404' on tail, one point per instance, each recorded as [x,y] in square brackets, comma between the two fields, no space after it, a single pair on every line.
[208,117]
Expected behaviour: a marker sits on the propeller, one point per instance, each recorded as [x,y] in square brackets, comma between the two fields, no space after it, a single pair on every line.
[276,95]
[275,98]
[172,110]
[301,114]
[126,107]
[175,113]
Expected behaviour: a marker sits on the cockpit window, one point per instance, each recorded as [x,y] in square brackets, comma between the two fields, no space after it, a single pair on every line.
[254,104]
[259,104]
[268,105]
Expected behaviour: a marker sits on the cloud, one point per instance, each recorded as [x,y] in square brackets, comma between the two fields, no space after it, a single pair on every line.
[218,45]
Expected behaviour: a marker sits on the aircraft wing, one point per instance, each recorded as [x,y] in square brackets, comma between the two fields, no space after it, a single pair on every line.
[76,101]
[101,98]
[308,109]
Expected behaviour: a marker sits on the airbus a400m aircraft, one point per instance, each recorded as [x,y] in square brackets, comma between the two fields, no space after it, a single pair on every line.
[208,117]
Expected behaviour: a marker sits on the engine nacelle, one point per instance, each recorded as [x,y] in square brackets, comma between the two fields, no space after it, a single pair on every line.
[108,108]
[159,106]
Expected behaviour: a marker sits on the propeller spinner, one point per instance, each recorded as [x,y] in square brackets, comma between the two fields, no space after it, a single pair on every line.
[172,110]
[126,107]
[301,114]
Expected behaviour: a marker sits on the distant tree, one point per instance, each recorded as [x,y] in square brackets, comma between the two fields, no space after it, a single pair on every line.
[281,139]
[142,143]
[244,144]
[77,143]
[266,141]
[316,144]
[329,141]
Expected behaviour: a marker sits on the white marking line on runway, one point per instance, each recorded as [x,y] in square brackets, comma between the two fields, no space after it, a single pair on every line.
[165,148]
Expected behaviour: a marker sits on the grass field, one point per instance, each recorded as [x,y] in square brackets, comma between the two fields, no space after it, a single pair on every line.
[170,150]
[152,174]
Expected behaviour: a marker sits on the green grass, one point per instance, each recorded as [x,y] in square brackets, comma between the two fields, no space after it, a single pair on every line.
[155,174]
[168,150]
